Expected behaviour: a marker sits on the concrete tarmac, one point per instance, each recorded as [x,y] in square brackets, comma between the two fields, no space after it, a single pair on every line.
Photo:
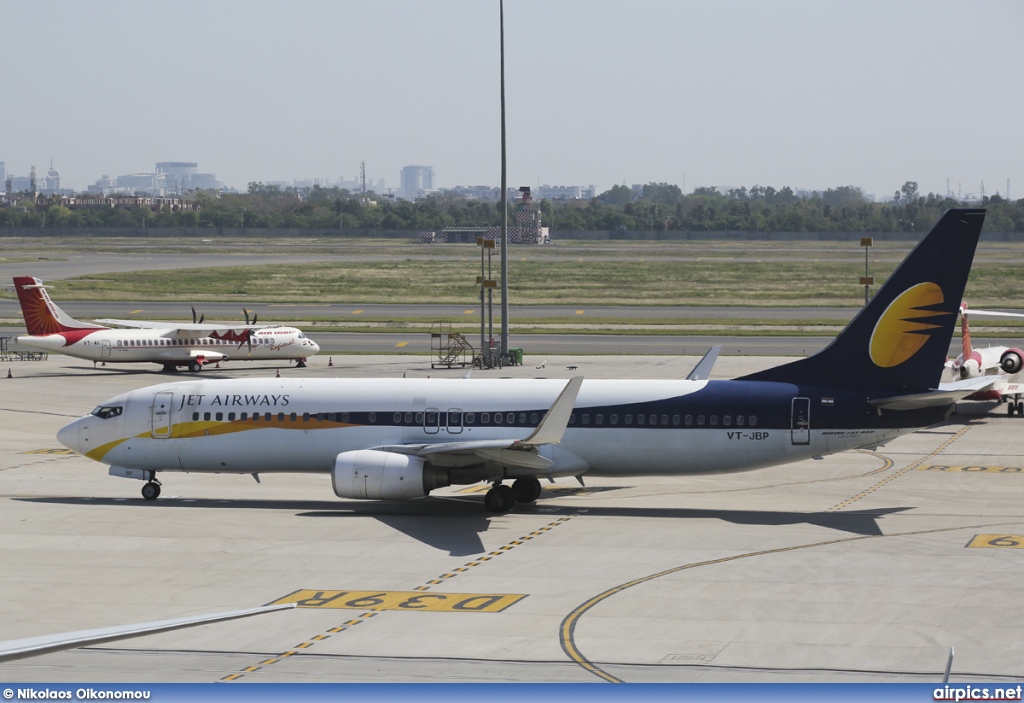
[863,566]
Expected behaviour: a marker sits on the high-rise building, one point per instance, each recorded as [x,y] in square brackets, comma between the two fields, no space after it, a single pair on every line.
[3,172]
[416,180]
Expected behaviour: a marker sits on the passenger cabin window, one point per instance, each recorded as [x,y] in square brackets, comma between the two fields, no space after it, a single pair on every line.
[104,412]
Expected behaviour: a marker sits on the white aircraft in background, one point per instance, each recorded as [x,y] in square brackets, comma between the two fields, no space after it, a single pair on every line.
[50,329]
[1001,363]
[402,438]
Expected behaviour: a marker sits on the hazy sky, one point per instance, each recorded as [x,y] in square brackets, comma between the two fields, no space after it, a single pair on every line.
[743,92]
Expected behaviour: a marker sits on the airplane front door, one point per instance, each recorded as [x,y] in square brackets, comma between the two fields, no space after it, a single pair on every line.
[162,404]
[800,421]
[105,348]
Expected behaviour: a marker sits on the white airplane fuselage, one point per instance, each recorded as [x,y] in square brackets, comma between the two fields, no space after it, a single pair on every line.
[618,427]
[161,346]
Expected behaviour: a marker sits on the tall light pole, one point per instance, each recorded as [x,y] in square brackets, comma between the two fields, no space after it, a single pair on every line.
[504,197]
[866,280]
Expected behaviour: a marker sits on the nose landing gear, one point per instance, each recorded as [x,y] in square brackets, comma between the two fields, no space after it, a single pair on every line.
[151,490]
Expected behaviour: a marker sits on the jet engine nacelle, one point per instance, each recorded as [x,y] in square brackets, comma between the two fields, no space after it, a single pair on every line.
[970,368]
[1012,361]
[377,475]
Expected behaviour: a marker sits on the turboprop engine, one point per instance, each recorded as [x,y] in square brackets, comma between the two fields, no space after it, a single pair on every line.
[1012,361]
[377,475]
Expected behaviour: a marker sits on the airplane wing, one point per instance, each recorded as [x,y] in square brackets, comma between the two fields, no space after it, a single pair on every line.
[34,646]
[182,328]
[702,371]
[515,452]
[946,394]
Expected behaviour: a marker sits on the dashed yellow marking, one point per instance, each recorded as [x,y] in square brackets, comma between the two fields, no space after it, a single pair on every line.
[404,600]
[975,469]
[469,312]
[357,312]
[910,467]
[134,312]
[64,452]
[997,541]
[579,312]
[401,344]
[251,668]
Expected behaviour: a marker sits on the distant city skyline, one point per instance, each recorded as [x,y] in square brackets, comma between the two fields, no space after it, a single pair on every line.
[790,93]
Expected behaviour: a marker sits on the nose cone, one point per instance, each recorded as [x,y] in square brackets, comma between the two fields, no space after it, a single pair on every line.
[316,347]
[68,435]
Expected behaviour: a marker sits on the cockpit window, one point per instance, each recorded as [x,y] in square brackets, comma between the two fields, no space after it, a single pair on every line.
[104,412]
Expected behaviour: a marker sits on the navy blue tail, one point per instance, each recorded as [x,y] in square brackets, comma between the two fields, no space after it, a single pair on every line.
[901,338]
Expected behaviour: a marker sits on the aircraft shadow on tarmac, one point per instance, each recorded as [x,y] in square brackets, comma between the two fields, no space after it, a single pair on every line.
[456,525]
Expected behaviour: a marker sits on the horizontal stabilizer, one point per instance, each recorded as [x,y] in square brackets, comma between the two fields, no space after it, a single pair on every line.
[946,394]
[992,313]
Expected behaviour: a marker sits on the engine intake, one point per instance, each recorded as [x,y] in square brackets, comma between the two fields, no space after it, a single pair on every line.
[1012,361]
[375,475]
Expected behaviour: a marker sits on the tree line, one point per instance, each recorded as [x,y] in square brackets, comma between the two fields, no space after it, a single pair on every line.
[654,207]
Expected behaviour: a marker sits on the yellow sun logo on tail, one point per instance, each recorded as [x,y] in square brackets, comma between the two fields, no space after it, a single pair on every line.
[899,333]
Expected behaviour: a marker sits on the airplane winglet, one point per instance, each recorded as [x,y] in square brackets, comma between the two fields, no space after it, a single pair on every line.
[702,371]
[552,427]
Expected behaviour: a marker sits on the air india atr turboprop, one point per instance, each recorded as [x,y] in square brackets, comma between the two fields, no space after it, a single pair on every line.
[52,330]
[395,438]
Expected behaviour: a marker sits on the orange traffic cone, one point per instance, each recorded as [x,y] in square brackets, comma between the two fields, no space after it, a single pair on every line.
[330,361]
[9,374]
[278,374]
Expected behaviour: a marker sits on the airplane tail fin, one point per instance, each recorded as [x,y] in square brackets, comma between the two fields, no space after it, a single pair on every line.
[42,316]
[900,340]
[965,332]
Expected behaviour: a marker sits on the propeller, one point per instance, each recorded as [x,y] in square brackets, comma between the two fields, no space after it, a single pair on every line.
[248,330]
[201,319]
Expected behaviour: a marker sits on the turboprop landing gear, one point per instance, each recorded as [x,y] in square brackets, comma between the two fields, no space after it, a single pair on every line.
[500,499]
[526,490]
[151,490]
[195,366]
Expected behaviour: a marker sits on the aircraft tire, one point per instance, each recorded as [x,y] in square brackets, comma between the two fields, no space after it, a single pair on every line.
[526,490]
[500,499]
[1011,407]
[195,366]
[1020,408]
[151,491]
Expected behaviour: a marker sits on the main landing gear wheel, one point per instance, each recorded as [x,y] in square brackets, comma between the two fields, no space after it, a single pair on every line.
[526,490]
[195,366]
[151,491]
[500,499]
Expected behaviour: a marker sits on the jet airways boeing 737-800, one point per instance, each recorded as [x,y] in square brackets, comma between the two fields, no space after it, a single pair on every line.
[402,438]
[50,329]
